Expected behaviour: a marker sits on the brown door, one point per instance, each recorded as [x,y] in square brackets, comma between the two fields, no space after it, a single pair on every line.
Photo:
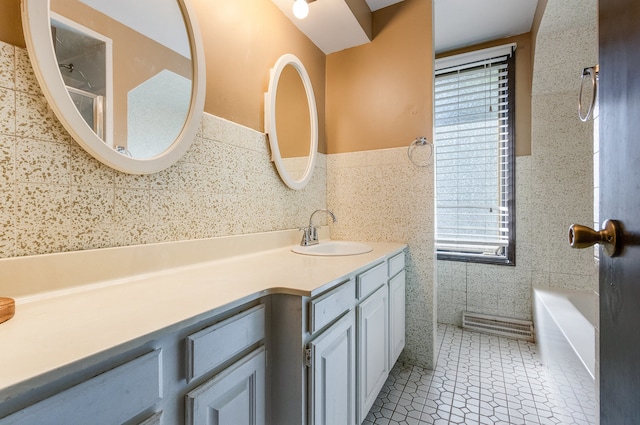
[619,33]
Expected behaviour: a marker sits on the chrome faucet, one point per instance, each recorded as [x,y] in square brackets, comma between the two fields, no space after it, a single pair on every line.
[310,233]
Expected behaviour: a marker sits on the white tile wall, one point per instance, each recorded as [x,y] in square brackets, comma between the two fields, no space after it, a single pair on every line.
[380,195]
[55,197]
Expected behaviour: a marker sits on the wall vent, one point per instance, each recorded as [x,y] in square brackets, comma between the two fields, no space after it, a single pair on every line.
[502,326]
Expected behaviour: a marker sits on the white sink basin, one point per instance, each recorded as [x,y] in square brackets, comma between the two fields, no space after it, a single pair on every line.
[333,248]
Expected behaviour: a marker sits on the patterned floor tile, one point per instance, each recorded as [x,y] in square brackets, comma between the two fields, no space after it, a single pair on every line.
[479,379]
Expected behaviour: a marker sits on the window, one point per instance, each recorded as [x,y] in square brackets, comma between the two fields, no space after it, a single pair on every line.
[474,140]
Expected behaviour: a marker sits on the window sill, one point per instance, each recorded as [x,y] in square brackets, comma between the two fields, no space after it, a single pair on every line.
[476,258]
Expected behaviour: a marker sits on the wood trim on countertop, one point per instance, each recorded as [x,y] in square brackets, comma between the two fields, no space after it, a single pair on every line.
[7,309]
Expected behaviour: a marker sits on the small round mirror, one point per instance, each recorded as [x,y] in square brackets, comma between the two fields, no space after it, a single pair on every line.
[125,78]
[291,121]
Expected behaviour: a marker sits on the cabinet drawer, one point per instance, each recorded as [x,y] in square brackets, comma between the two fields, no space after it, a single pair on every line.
[371,280]
[216,344]
[324,309]
[396,264]
[113,397]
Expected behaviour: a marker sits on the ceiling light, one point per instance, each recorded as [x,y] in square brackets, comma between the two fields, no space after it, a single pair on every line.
[300,9]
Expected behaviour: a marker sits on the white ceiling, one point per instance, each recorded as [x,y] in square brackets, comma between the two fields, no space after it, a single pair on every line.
[161,21]
[332,26]
[379,4]
[461,23]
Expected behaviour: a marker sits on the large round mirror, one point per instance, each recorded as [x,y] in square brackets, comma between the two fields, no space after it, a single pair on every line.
[125,78]
[291,121]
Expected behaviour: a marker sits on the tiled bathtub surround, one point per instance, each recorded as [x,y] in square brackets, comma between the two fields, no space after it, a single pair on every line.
[55,197]
[380,195]
[554,186]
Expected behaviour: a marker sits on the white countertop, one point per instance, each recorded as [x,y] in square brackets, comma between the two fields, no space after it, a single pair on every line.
[55,329]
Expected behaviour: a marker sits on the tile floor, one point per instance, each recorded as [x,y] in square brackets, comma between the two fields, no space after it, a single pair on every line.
[478,379]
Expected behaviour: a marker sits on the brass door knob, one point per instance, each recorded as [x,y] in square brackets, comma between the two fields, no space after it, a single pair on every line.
[584,237]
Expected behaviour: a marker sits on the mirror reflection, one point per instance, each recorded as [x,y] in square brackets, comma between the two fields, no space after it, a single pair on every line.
[293,122]
[79,54]
[127,67]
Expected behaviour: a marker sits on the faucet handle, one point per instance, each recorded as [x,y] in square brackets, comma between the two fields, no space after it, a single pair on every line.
[313,233]
[309,236]
[306,236]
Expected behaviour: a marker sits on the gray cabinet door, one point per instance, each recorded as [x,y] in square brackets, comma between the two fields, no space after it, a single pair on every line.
[397,287]
[236,396]
[332,376]
[373,348]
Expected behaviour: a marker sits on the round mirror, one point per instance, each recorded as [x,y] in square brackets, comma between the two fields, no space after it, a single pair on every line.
[291,121]
[125,78]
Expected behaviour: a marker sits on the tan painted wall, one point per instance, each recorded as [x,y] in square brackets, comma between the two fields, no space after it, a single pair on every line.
[380,95]
[524,71]
[10,23]
[242,40]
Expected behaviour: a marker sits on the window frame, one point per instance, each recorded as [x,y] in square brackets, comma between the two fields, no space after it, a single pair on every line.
[468,61]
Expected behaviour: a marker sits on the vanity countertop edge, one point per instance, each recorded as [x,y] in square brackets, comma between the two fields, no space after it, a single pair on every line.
[50,332]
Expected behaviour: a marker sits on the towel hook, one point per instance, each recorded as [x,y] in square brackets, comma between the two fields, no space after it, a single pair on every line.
[591,71]
[418,142]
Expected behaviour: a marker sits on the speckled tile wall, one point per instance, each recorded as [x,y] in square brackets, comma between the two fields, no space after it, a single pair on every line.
[55,197]
[554,186]
[381,196]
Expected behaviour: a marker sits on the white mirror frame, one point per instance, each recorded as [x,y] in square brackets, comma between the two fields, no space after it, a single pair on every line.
[36,23]
[270,120]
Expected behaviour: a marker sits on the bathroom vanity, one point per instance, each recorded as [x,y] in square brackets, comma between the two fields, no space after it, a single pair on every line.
[349,336]
[233,330]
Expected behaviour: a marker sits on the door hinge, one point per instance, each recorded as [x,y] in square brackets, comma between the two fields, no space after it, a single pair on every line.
[307,357]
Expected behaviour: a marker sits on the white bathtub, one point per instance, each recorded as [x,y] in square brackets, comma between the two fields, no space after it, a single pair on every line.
[566,319]
[565,334]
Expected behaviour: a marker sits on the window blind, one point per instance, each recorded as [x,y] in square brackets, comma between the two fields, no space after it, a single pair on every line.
[474,159]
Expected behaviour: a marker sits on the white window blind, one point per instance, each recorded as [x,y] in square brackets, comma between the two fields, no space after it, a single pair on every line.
[474,160]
